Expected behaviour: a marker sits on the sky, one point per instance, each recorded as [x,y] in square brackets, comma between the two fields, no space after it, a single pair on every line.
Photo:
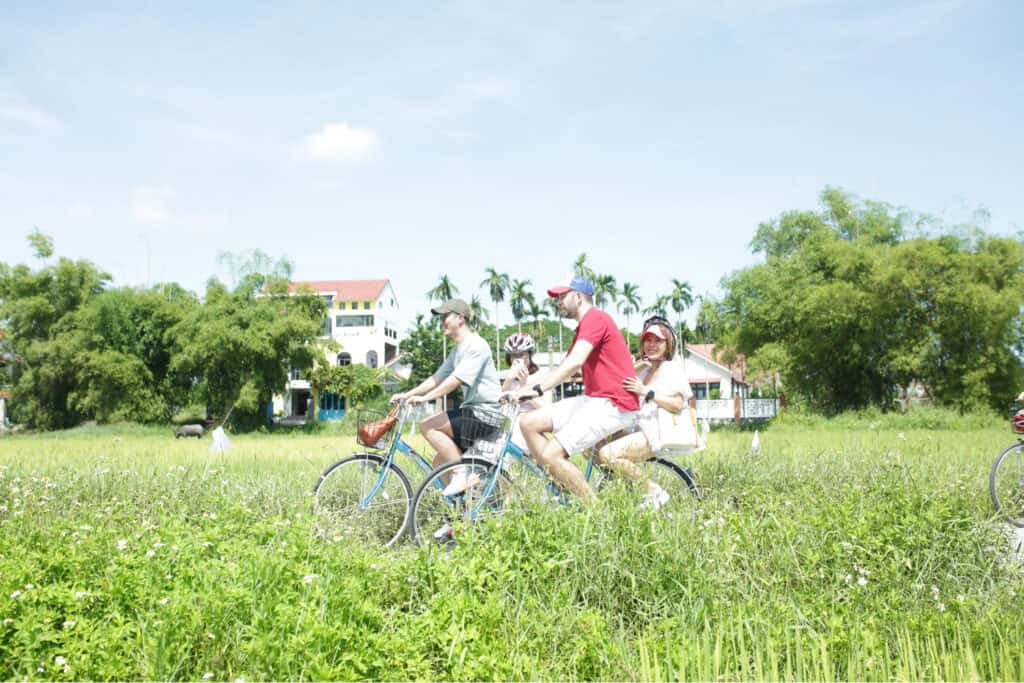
[407,140]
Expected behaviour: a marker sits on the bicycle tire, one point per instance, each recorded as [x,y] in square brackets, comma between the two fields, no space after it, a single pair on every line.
[676,481]
[341,491]
[1006,484]
[432,510]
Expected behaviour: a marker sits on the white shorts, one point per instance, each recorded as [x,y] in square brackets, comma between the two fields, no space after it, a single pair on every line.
[581,421]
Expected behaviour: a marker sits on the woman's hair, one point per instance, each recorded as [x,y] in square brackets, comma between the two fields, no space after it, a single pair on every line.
[530,365]
[666,330]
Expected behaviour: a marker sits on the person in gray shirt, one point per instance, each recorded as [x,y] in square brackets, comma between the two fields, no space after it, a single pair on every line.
[470,365]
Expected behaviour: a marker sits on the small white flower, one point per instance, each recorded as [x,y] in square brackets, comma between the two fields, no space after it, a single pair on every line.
[59,661]
[15,595]
[863,580]
[80,594]
[848,578]
[309,578]
[150,553]
[8,621]
[207,676]
[942,606]
[69,623]
[29,586]
[211,636]
[164,601]
[122,544]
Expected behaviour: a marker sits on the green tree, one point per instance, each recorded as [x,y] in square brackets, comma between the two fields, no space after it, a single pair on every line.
[357,383]
[518,300]
[680,299]
[605,290]
[477,310]
[443,291]
[629,303]
[851,312]
[497,286]
[240,344]
[582,268]
[423,344]
[660,306]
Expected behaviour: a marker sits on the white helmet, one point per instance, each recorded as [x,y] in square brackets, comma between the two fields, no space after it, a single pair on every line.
[520,342]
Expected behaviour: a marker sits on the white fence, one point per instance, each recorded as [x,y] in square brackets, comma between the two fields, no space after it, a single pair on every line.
[725,408]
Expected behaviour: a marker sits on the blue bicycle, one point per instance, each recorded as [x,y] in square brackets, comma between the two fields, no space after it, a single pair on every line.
[496,477]
[367,496]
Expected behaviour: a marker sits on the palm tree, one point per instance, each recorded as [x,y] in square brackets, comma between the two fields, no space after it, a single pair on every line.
[580,267]
[680,299]
[518,297]
[660,306]
[443,291]
[497,285]
[605,290]
[536,310]
[477,310]
[629,303]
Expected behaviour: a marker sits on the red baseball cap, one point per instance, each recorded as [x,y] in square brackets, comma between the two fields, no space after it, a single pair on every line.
[654,331]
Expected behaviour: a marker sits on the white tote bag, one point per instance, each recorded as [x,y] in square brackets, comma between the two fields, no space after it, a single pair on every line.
[667,431]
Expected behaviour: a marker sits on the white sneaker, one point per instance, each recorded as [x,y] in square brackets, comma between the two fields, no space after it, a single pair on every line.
[444,532]
[655,499]
[462,480]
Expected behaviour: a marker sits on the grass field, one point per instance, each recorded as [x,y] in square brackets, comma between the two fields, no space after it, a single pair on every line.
[845,550]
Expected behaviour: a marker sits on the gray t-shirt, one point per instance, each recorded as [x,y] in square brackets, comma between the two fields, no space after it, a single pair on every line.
[472,364]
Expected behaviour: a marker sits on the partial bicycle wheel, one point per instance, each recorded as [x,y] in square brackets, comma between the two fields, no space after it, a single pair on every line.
[679,487]
[481,491]
[361,498]
[1006,484]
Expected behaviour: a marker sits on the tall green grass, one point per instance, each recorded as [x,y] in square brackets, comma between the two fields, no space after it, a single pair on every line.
[834,554]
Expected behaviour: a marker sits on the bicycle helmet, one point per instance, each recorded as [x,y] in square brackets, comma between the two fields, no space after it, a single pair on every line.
[520,342]
[1018,422]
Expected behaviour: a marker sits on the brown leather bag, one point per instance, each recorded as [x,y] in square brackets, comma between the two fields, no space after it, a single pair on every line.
[372,432]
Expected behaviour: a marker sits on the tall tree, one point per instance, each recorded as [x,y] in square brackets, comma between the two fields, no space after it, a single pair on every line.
[681,298]
[477,310]
[535,310]
[444,290]
[497,286]
[629,303]
[580,267]
[518,299]
[605,290]
[660,305]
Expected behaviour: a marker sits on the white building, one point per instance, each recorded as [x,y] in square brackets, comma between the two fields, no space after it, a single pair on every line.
[362,316]
[708,372]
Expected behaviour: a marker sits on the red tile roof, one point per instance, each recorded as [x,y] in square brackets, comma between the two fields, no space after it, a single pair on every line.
[344,290]
[738,367]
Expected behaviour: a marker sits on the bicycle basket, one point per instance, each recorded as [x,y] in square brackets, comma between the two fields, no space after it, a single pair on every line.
[481,430]
[374,427]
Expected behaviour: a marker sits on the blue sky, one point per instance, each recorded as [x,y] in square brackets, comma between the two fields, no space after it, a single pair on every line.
[406,140]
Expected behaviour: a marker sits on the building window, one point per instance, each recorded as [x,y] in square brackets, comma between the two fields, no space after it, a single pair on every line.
[344,359]
[329,300]
[371,359]
[366,305]
[355,321]
[327,326]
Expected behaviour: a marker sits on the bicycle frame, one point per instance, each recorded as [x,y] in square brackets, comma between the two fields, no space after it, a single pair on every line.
[398,445]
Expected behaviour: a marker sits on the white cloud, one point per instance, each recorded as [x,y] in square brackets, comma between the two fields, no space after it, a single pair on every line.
[340,142]
[15,109]
[149,204]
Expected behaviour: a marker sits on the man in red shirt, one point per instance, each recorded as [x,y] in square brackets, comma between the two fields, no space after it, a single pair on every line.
[606,407]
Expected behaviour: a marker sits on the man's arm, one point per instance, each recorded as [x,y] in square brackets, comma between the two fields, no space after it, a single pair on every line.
[439,389]
[566,369]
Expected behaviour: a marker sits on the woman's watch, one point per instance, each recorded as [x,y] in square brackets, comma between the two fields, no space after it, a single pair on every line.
[538,390]
[649,396]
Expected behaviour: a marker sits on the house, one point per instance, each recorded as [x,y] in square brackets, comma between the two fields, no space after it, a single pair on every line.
[362,316]
[708,371]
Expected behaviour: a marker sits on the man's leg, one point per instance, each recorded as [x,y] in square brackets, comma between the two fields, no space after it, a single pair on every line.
[437,430]
[554,460]
[534,425]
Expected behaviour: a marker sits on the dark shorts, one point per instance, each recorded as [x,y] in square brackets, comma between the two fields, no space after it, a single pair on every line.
[470,425]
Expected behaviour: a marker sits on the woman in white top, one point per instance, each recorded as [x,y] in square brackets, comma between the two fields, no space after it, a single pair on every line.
[662,381]
[519,349]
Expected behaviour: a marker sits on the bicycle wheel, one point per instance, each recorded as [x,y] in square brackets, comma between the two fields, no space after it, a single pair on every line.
[439,518]
[677,482]
[362,499]
[1006,484]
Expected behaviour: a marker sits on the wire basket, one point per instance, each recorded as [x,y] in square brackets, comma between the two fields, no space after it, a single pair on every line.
[367,419]
[482,430]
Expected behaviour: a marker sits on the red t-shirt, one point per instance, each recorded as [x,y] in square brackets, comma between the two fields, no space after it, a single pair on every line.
[608,363]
